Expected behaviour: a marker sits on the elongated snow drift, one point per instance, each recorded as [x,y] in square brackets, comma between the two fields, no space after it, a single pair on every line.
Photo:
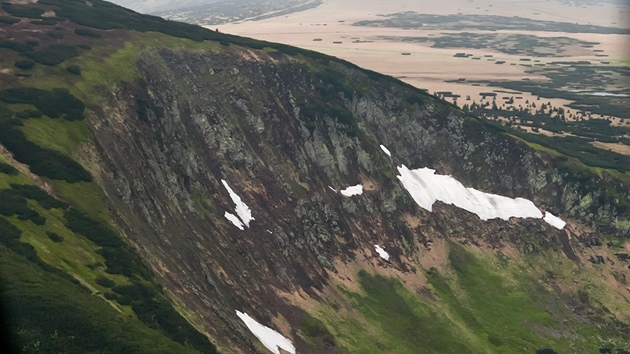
[426,188]
[241,209]
[267,336]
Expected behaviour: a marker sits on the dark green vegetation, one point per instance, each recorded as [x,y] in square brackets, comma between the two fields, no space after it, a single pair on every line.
[585,83]
[577,81]
[508,43]
[87,33]
[119,258]
[580,82]
[483,22]
[42,161]
[76,319]
[24,64]
[55,103]
[74,69]
[8,169]
[578,146]
[49,313]
[8,20]
[52,55]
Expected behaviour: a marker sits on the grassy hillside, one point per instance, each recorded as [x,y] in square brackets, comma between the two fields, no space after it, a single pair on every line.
[479,304]
[70,284]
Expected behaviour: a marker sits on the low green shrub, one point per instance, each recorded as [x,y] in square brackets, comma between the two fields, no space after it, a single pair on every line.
[55,103]
[8,20]
[60,102]
[106,282]
[24,64]
[12,203]
[8,231]
[8,169]
[74,69]
[87,32]
[16,46]
[28,11]
[44,162]
[119,258]
[44,199]
[54,54]
[53,236]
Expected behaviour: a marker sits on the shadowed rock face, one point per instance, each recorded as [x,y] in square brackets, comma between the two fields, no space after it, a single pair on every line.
[280,132]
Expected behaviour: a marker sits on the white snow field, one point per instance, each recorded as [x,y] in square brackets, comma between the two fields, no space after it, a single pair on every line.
[234,220]
[271,339]
[241,209]
[381,252]
[554,221]
[426,188]
[352,190]
[386,150]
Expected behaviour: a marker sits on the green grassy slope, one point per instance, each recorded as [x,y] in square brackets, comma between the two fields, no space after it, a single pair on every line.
[477,305]
[48,313]
[70,284]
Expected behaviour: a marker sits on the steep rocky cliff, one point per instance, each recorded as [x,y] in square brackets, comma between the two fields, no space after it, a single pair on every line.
[183,138]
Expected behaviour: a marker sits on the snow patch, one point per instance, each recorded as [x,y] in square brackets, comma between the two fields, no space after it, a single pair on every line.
[234,220]
[386,150]
[554,221]
[353,190]
[609,94]
[426,188]
[267,336]
[381,252]
[332,189]
[241,209]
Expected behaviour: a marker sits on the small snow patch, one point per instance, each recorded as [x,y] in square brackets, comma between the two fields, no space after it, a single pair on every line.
[234,220]
[271,339]
[353,190]
[241,209]
[332,189]
[386,150]
[554,221]
[381,252]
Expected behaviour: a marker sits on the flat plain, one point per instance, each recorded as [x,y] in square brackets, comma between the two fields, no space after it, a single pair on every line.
[503,58]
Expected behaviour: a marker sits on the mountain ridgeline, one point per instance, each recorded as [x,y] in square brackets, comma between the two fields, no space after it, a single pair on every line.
[167,188]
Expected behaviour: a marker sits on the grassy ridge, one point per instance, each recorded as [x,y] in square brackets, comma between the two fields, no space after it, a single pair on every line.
[50,314]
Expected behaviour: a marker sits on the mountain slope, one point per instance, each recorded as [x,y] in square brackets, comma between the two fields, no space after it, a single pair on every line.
[166,137]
